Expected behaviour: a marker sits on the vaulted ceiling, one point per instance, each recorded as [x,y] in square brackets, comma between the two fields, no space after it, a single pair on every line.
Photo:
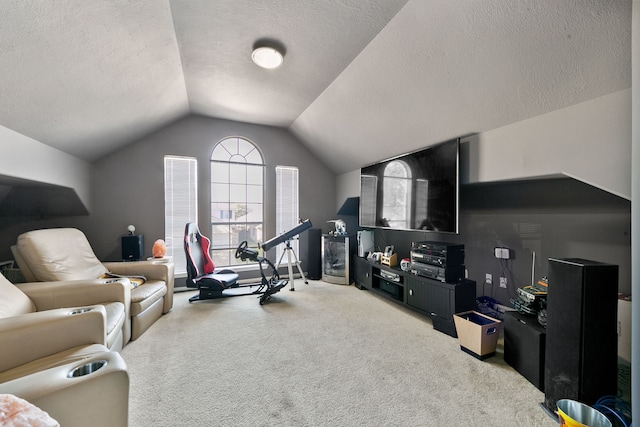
[362,80]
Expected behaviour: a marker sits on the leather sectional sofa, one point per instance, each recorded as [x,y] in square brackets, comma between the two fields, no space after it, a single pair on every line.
[63,254]
[57,358]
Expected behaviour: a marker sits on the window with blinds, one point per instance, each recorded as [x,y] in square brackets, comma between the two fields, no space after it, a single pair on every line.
[287,212]
[180,205]
[237,199]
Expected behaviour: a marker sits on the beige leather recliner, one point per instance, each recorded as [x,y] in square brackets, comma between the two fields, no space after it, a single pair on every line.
[113,295]
[56,359]
[65,254]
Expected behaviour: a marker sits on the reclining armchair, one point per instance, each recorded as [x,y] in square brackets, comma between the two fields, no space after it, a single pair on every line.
[65,254]
[112,294]
[56,360]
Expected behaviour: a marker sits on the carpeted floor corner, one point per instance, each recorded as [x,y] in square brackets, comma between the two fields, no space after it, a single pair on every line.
[324,355]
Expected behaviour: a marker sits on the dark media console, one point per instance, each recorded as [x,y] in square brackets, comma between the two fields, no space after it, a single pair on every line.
[434,298]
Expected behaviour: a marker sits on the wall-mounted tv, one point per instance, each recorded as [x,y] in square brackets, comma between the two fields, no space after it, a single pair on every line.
[415,191]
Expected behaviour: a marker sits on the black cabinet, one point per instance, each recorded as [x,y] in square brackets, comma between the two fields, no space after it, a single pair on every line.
[362,273]
[418,295]
[438,300]
[441,300]
[524,344]
[389,282]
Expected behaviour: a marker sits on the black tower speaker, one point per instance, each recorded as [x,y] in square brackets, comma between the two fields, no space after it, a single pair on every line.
[581,348]
[132,247]
[524,344]
[314,271]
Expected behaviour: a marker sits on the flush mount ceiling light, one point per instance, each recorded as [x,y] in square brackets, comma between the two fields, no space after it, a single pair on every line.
[267,57]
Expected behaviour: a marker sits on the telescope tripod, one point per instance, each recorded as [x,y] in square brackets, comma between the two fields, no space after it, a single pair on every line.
[291,253]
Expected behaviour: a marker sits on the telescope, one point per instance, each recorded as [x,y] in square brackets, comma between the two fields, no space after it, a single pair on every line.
[303,226]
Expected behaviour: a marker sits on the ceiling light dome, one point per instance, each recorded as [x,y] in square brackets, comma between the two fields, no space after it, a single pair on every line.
[267,57]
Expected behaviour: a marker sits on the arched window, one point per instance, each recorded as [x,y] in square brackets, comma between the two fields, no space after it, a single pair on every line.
[237,198]
[396,208]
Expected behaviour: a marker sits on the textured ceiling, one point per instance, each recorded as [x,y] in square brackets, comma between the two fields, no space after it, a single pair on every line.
[89,77]
[362,79]
[321,38]
[443,69]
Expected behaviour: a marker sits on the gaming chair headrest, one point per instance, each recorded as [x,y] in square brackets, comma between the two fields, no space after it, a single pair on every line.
[192,232]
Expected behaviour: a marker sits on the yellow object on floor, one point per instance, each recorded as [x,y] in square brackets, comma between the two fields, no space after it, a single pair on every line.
[575,414]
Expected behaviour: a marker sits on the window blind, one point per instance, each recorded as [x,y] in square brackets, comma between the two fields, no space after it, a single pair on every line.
[287,212]
[180,205]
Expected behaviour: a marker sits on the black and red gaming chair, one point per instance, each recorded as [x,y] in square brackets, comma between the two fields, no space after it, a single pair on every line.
[201,273]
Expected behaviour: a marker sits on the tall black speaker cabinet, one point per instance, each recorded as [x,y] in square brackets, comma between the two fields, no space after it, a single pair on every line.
[581,342]
[314,266]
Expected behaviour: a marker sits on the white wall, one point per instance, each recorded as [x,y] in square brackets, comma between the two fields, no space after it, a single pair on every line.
[347,185]
[590,141]
[25,158]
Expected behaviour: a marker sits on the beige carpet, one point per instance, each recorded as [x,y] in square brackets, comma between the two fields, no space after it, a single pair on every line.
[324,355]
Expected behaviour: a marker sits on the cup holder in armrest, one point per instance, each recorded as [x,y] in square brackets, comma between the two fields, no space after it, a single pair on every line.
[86,369]
[81,310]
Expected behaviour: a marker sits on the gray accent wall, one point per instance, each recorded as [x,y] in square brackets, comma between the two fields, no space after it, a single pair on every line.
[560,218]
[128,185]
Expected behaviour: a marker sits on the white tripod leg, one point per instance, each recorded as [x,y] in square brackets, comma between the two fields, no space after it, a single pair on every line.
[300,269]
[280,260]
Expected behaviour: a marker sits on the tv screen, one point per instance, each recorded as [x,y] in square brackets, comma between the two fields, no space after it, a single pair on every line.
[415,191]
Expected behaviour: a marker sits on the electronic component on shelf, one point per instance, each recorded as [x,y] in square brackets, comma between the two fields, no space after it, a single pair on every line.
[437,253]
[451,274]
[438,260]
[437,248]
[388,275]
[531,299]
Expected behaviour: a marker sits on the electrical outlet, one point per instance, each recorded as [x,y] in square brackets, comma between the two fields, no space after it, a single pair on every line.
[488,279]
[503,282]
[502,253]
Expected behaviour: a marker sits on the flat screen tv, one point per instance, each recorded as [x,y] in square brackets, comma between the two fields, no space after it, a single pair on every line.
[415,191]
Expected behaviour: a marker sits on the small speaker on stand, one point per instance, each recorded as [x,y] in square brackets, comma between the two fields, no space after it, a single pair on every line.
[132,245]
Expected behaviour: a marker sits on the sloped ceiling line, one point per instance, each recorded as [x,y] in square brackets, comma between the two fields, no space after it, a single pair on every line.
[363,80]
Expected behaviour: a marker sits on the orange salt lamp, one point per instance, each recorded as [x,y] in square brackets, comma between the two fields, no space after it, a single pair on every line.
[159,249]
